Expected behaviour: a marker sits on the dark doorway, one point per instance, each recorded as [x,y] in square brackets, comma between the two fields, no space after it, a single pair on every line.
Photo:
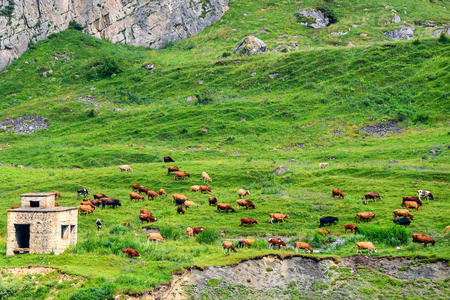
[34,203]
[23,235]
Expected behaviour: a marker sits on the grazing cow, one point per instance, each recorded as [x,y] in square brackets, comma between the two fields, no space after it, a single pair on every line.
[337,192]
[411,204]
[403,221]
[304,246]
[447,229]
[87,203]
[180,210]
[243,193]
[195,188]
[179,196]
[205,188]
[328,220]
[155,236]
[162,192]
[136,196]
[426,194]
[365,215]
[152,194]
[99,224]
[126,224]
[224,206]
[212,201]
[323,231]
[197,230]
[423,238]
[365,245]
[125,168]
[403,213]
[189,231]
[229,246]
[372,195]
[410,198]
[172,169]
[58,195]
[180,174]
[323,165]
[56,204]
[110,202]
[246,203]
[131,252]
[205,177]
[277,216]
[276,242]
[135,187]
[100,196]
[85,208]
[180,201]
[350,227]
[84,192]
[147,218]
[187,204]
[144,211]
[143,189]
[14,207]
[248,221]
[245,243]
[96,203]
[168,159]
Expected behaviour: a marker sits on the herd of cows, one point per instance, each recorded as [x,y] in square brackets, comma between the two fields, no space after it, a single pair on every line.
[89,205]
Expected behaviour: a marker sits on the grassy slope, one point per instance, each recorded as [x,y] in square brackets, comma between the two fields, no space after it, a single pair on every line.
[315,92]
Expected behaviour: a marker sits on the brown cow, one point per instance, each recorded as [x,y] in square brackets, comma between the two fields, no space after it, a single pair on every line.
[168,159]
[411,204]
[85,208]
[179,196]
[323,231]
[242,193]
[152,194]
[100,196]
[126,224]
[180,174]
[350,227]
[410,198]
[248,221]
[337,192]
[245,243]
[144,211]
[57,194]
[372,195]
[205,188]
[162,192]
[212,201]
[135,187]
[136,196]
[187,204]
[423,238]
[146,217]
[365,215]
[131,252]
[246,203]
[224,206]
[142,189]
[86,203]
[14,207]
[155,236]
[197,230]
[172,169]
[276,242]
[365,245]
[304,246]
[180,210]
[403,213]
[56,204]
[277,216]
[94,202]
[229,246]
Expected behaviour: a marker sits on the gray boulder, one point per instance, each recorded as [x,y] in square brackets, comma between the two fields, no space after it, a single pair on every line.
[321,20]
[250,45]
[404,33]
[281,169]
[396,19]
[441,31]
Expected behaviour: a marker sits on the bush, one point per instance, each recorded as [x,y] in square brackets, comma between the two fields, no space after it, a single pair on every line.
[7,290]
[75,25]
[208,236]
[170,233]
[105,291]
[328,13]
[394,236]
[443,38]
[105,68]
[204,97]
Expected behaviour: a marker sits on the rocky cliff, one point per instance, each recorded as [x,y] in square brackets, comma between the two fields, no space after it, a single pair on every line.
[150,23]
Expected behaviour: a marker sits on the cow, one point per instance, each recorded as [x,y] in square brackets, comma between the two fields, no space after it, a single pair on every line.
[144,211]
[246,203]
[110,202]
[277,216]
[403,213]
[276,242]
[142,189]
[426,194]
[195,188]
[323,165]
[58,195]
[423,238]
[229,246]
[180,174]
[86,208]
[245,243]
[180,210]
[162,192]
[99,224]
[212,201]
[179,196]
[125,168]
[324,231]
[403,221]
[197,230]
[87,203]
[337,192]
[147,218]
[152,194]
[155,236]
[168,159]
[84,192]
[180,201]
[328,220]
[447,229]
[365,216]
[304,246]
[411,198]
[187,204]
[224,206]
[411,204]
[131,252]
[243,193]
[56,204]
[372,195]
[126,224]
[95,202]
[135,187]
[205,177]
[100,196]
[365,245]
[350,227]
[248,221]
[136,196]
[14,207]
[205,188]
[172,169]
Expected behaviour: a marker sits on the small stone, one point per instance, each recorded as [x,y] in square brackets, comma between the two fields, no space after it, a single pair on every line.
[26,63]
[396,18]
[242,118]
[245,14]
[6,71]
[18,70]
[293,161]
[433,152]
[189,98]
[200,82]
[273,75]
[394,161]
[151,72]
[44,74]
[363,34]
[253,74]
[387,166]
[148,67]
[93,88]
[281,169]
[50,71]
[355,25]
[350,44]
[76,75]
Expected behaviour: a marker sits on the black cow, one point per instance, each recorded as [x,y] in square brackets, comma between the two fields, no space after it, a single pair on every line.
[84,192]
[110,202]
[328,220]
[403,221]
[212,201]
[99,224]
[179,201]
[168,159]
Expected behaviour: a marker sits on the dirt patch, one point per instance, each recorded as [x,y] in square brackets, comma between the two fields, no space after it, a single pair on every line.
[20,271]
[382,128]
[23,125]
[89,100]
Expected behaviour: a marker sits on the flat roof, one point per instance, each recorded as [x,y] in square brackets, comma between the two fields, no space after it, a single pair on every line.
[37,194]
[42,209]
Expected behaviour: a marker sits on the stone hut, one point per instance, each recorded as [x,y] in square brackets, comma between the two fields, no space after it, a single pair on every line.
[40,227]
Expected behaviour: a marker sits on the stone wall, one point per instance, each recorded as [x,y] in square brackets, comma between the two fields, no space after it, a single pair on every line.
[144,23]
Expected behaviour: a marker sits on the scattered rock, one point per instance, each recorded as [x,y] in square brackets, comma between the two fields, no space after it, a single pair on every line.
[242,118]
[282,48]
[363,34]
[245,15]
[382,128]
[281,169]
[433,152]
[261,31]
[253,74]
[339,33]
[193,148]
[394,161]
[273,75]
[337,131]
[18,70]
[440,31]
[44,74]
[148,67]
[405,33]
[93,88]
[354,25]
[426,25]
[287,149]
[250,45]
[350,44]
[26,63]
[300,146]
[236,153]
[387,166]
[89,100]
[117,109]
[23,125]
[396,19]
[189,98]
[293,160]
[200,82]
[321,20]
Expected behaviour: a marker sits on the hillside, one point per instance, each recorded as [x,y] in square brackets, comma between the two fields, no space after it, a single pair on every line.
[377,113]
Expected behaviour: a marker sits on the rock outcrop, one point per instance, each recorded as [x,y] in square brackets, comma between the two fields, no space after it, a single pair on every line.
[250,45]
[404,33]
[143,23]
[304,14]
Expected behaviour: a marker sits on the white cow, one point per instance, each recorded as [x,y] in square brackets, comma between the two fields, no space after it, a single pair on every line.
[427,194]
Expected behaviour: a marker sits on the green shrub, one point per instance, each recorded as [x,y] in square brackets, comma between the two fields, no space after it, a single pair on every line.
[75,25]
[328,13]
[394,236]
[119,229]
[103,68]
[204,97]
[7,290]
[170,233]
[443,38]
[105,291]
[208,236]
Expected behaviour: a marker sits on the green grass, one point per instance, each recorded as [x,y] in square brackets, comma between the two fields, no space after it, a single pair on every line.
[255,124]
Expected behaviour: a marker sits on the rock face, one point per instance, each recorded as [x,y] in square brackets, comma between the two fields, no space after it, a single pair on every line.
[143,23]
[321,20]
[23,125]
[250,45]
[405,33]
